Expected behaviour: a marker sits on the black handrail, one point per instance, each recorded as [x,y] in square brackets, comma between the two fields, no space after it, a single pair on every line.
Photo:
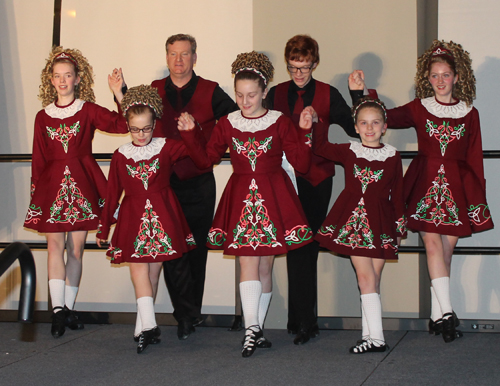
[26,157]
[21,251]
[402,249]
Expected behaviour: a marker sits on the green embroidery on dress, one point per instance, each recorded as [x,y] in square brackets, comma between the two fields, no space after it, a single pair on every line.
[438,206]
[444,133]
[63,134]
[366,176]
[152,239]
[356,233]
[252,149]
[143,172]
[255,228]
[70,206]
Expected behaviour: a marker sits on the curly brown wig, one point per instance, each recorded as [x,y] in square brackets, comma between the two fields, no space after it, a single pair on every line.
[461,64]
[256,61]
[143,95]
[83,90]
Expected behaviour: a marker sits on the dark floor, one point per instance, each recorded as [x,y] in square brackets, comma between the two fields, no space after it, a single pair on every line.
[106,355]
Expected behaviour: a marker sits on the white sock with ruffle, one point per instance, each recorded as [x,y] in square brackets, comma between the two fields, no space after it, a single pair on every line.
[146,310]
[70,296]
[373,310]
[436,312]
[442,288]
[250,292]
[265,300]
[56,287]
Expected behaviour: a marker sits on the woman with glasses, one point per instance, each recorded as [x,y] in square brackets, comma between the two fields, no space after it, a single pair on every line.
[151,227]
[314,187]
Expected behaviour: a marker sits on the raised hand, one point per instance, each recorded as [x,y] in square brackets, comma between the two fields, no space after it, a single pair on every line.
[116,82]
[307,117]
[185,122]
[357,80]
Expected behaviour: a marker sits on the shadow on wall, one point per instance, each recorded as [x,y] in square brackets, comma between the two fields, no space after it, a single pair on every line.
[373,67]
[11,113]
[487,87]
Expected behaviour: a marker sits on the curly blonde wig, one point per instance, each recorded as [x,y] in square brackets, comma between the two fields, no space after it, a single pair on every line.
[143,95]
[83,90]
[460,62]
[254,62]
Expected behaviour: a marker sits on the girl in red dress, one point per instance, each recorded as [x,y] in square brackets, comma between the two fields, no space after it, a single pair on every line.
[67,185]
[151,227]
[259,214]
[367,220]
[444,188]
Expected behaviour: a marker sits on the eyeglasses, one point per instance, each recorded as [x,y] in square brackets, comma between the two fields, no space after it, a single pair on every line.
[302,70]
[146,130]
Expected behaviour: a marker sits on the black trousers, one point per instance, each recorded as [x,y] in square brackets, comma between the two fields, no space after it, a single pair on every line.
[302,263]
[185,277]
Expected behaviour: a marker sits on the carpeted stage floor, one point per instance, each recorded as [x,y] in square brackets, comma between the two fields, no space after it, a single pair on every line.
[106,355]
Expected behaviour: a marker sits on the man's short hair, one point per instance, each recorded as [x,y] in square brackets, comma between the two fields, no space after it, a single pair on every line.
[180,38]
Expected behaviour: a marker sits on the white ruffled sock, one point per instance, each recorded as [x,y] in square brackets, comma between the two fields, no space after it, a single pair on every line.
[250,292]
[56,288]
[436,312]
[373,310]
[138,324]
[365,332]
[265,300]
[147,312]
[442,288]
[70,296]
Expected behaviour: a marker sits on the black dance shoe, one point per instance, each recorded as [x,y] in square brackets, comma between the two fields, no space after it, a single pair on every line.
[58,322]
[148,337]
[450,322]
[157,334]
[184,329]
[368,346]
[72,321]
[263,342]
[436,327]
[302,336]
[198,321]
[252,335]
[305,334]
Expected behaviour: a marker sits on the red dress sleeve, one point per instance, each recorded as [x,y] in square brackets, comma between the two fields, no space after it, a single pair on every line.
[111,203]
[474,155]
[297,152]
[323,148]
[205,156]
[397,198]
[106,120]
[38,159]
[401,117]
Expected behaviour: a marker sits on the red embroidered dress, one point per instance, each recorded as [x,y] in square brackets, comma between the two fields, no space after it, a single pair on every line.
[445,189]
[368,215]
[151,226]
[67,185]
[259,212]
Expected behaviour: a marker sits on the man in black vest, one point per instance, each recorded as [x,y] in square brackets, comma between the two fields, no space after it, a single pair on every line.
[184,91]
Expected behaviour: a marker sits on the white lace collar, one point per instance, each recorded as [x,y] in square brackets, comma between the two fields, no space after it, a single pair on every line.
[253,125]
[140,153]
[371,154]
[64,112]
[455,111]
